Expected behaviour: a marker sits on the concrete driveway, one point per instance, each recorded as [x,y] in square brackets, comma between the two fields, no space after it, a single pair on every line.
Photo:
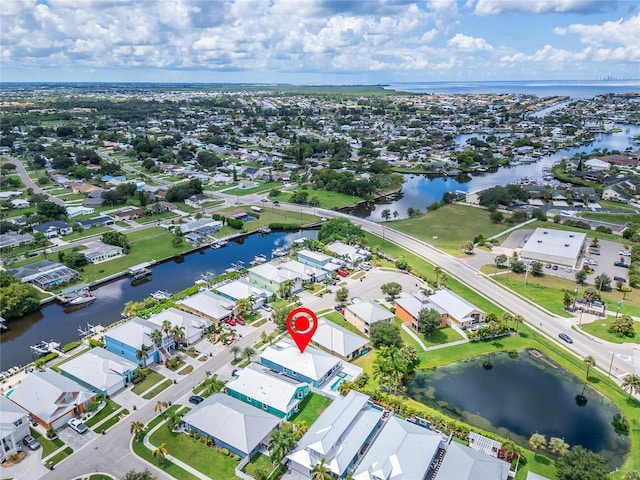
[30,467]
[74,439]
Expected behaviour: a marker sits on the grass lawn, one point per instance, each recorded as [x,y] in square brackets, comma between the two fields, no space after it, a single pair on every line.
[156,218]
[617,218]
[160,388]
[90,232]
[48,446]
[338,319]
[600,328]
[102,414]
[58,457]
[151,379]
[616,205]
[263,187]
[185,208]
[257,463]
[468,221]
[439,337]
[329,200]
[270,215]
[112,421]
[311,408]
[207,460]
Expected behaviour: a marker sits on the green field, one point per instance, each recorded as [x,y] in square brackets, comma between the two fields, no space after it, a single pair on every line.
[617,218]
[328,200]
[600,328]
[449,227]
[269,215]
[102,414]
[311,408]
[159,389]
[263,187]
[151,379]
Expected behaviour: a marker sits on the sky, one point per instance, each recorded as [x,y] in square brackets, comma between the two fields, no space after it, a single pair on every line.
[318,41]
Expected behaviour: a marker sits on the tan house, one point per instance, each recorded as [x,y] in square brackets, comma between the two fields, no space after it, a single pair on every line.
[363,315]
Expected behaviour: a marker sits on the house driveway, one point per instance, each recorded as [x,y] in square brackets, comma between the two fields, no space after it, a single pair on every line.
[73,439]
[30,467]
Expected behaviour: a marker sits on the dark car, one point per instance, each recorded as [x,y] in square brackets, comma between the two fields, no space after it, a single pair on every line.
[555,267]
[621,264]
[31,442]
[566,337]
[276,203]
[618,278]
[195,399]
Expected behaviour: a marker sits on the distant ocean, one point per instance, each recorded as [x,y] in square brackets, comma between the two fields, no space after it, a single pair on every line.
[570,88]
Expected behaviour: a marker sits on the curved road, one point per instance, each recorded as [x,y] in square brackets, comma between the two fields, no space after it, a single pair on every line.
[26,180]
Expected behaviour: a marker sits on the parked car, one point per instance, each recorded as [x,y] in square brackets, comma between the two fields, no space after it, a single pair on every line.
[548,265]
[594,252]
[342,273]
[365,266]
[195,399]
[356,300]
[231,322]
[621,264]
[566,337]
[239,321]
[624,253]
[618,278]
[555,267]
[267,308]
[31,442]
[77,425]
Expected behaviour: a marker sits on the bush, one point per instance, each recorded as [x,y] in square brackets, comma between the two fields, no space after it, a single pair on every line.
[71,346]
[283,226]
[225,451]
[138,379]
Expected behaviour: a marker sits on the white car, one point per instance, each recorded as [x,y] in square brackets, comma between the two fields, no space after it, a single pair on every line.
[624,253]
[77,425]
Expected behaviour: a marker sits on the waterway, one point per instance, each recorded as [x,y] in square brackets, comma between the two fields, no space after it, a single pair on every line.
[55,322]
[521,396]
[419,191]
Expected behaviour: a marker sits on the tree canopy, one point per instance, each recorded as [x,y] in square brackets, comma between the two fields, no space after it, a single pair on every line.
[385,334]
[340,229]
[581,464]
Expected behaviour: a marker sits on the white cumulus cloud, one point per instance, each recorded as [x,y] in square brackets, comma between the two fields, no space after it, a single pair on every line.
[496,7]
[469,44]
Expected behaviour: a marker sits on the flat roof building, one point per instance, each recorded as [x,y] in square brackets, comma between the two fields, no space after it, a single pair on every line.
[559,247]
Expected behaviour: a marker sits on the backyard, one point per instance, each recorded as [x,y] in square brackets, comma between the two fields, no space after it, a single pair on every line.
[311,408]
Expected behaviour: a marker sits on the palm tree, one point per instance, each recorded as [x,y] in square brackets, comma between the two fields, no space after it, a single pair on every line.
[161,452]
[282,441]
[382,370]
[136,428]
[212,385]
[558,446]
[160,405]
[156,337]
[142,353]
[286,288]
[166,326]
[631,383]
[589,361]
[507,317]
[242,305]
[518,319]
[321,471]
[537,442]
[301,427]
[235,349]
[178,334]
[248,352]
[468,247]
[444,279]
[438,271]
[174,420]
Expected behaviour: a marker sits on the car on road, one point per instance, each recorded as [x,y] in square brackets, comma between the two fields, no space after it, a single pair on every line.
[276,203]
[555,267]
[195,399]
[77,425]
[31,442]
[618,278]
[548,265]
[565,337]
[624,253]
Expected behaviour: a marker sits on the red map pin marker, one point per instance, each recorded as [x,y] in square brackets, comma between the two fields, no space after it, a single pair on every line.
[302,323]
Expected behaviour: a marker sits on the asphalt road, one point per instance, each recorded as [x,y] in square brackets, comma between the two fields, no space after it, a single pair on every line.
[26,180]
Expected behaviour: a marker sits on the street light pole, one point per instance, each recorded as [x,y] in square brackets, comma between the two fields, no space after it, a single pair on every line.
[575,298]
[618,310]
[526,273]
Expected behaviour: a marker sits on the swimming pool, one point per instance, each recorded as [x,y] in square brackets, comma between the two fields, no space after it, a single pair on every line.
[336,384]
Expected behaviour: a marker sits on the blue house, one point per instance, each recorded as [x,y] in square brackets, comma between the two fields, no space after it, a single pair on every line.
[313,366]
[126,339]
[232,424]
[317,260]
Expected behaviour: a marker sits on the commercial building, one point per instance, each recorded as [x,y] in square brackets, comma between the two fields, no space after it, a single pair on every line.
[558,247]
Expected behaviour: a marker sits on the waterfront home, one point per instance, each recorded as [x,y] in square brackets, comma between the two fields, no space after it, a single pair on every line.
[392,455]
[456,311]
[271,276]
[14,426]
[44,274]
[273,393]
[237,289]
[306,273]
[201,228]
[194,326]
[13,239]
[208,305]
[97,251]
[318,260]
[464,463]
[232,424]
[338,436]
[312,366]
[349,253]
[50,398]
[364,314]
[100,370]
[338,340]
[126,339]
[409,305]
[55,228]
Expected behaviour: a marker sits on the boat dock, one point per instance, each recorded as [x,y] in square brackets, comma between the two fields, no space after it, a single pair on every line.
[141,270]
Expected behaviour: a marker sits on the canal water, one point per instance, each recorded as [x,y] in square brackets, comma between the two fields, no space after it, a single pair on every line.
[517,397]
[55,322]
[419,191]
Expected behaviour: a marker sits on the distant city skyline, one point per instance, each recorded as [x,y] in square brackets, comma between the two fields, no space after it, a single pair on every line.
[318,41]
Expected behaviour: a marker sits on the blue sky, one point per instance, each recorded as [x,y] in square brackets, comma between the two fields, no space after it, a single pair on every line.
[318,41]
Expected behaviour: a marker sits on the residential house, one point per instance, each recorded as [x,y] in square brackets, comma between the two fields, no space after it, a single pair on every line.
[245,184]
[318,260]
[392,456]
[55,228]
[44,274]
[197,200]
[597,165]
[13,239]
[338,341]
[14,426]
[100,370]
[364,314]
[306,273]
[198,229]
[237,289]
[93,202]
[100,221]
[348,253]
[50,398]
[20,203]
[338,436]
[97,251]
[84,188]
[126,339]
[232,424]
[271,276]
[194,326]
[456,310]
[76,211]
[262,388]
[311,366]
[464,463]
[208,305]
[408,307]
[131,213]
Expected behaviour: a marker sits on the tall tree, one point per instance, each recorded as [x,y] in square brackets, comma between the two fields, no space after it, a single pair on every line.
[589,361]
[161,452]
[160,405]
[632,384]
[558,446]
[437,270]
[235,349]
[321,471]
[211,384]
[248,352]
[581,464]
[392,289]
[283,439]
[142,353]
[135,429]
[538,442]
[428,320]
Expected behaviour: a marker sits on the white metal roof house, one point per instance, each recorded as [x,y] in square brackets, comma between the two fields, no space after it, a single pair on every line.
[194,326]
[237,289]
[232,424]
[456,310]
[100,370]
[313,366]
[208,305]
[392,456]
[97,251]
[14,426]
[271,276]
[51,399]
[338,340]
[463,463]
[126,339]
[364,314]
[338,435]
[262,388]
[348,253]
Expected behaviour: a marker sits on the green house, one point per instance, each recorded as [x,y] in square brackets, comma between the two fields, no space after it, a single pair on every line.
[268,391]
